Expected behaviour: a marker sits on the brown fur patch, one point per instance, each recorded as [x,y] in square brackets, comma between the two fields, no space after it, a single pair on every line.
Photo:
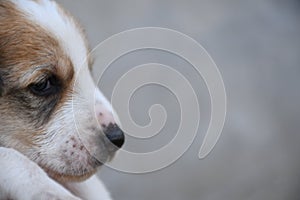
[24,45]
[28,53]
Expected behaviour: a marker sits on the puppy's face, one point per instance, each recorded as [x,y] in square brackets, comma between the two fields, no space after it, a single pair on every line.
[50,109]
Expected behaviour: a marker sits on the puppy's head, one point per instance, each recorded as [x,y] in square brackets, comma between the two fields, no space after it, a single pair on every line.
[50,108]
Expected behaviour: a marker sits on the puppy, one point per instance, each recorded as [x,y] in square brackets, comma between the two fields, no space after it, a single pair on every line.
[56,127]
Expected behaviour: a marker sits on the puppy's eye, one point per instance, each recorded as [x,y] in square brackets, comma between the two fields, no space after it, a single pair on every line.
[45,87]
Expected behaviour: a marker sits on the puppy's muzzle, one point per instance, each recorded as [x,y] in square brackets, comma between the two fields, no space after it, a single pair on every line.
[115,135]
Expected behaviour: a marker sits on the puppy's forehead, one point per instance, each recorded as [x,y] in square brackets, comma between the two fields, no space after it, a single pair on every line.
[59,24]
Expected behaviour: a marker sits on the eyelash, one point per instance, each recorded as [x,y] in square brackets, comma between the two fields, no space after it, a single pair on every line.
[46,87]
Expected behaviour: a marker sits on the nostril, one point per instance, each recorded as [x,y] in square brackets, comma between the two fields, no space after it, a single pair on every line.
[115,135]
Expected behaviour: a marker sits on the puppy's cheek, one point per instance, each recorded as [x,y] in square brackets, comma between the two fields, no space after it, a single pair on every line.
[97,145]
[75,155]
[73,151]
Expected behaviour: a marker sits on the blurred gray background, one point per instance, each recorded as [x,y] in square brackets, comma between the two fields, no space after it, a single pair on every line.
[256,45]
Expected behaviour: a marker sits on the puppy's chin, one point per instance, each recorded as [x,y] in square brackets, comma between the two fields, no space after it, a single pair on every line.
[63,178]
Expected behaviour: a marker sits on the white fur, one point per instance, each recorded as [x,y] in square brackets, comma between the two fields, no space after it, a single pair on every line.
[47,14]
[20,178]
[90,189]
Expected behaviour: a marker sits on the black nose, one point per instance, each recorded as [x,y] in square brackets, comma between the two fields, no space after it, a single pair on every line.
[115,135]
